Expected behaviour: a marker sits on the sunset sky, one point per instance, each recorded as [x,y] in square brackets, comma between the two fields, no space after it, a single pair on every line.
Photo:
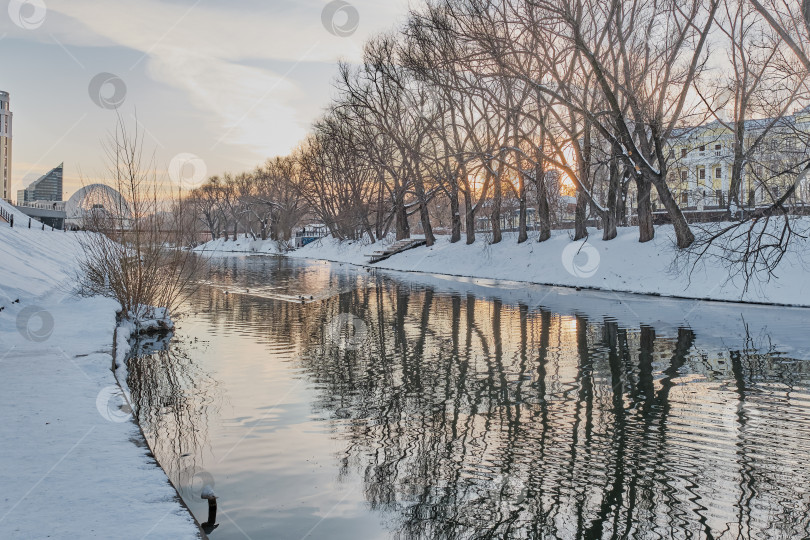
[231,82]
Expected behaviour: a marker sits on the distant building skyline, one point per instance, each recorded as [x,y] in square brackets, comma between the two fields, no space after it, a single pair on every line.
[47,187]
[5,144]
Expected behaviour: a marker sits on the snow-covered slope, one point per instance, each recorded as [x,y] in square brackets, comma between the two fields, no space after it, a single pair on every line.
[220,246]
[72,465]
[34,261]
[622,264]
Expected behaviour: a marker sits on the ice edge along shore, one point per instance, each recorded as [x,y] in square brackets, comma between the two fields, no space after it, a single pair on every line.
[620,265]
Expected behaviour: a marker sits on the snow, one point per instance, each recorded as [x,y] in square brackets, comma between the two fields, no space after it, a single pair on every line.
[74,464]
[622,265]
[242,244]
[33,261]
[148,319]
[208,493]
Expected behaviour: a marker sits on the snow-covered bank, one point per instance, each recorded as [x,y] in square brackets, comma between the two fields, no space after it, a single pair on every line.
[622,265]
[220,246]
[74,464]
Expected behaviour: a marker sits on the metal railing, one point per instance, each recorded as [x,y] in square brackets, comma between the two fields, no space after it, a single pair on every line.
[6,216]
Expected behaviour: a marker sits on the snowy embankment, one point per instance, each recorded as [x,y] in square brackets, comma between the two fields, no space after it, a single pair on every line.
[74,464]
[243,244]
[621,264]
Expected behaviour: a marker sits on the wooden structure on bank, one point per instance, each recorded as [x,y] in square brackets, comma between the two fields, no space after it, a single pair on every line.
[397,247]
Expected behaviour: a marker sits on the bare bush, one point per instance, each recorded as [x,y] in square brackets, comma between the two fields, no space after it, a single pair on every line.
[136,252]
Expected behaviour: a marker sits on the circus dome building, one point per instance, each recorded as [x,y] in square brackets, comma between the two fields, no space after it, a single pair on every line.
[96,201]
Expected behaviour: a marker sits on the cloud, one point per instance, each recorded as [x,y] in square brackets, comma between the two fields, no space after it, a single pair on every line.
[251,105]
[231,32]
[207,50]
[233,82]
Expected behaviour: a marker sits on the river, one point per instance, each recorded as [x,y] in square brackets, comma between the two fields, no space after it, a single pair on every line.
[325,401]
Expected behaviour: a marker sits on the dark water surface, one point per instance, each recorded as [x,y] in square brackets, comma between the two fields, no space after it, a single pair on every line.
[405,406]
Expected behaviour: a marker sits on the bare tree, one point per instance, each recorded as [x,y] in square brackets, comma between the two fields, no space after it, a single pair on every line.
[791,20]
[275,201]
[644,70]
[134,252]
[752,98]
[206,200]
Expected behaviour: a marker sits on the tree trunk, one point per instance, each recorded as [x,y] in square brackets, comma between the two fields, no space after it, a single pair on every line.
[609,223]
[497,197]
[735,184]
[274,228]
[455,218]
[614,193]
[403,229]
[580,216]
[522,233]
[646,232]
[210,224]
[621,213]
[683,233]
[424,214]
[335,232]
[584,166]
[380,207]
[543,212]
[367,228]
[469,217]
[806,12]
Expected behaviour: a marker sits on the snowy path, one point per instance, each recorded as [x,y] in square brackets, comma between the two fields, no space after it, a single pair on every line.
[73,464]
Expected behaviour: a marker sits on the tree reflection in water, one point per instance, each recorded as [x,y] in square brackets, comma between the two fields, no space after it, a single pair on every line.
[478,417]
[469,418]
[173,399]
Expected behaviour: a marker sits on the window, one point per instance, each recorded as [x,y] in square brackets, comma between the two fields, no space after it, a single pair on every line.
[702,173]
[718,172]
[718,148]
[684,197]
[683,176]
[683,152]
[702,148]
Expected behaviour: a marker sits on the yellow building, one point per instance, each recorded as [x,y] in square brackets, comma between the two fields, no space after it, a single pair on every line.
[702,159]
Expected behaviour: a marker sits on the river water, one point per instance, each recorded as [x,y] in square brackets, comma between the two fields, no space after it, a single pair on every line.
[326,401]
